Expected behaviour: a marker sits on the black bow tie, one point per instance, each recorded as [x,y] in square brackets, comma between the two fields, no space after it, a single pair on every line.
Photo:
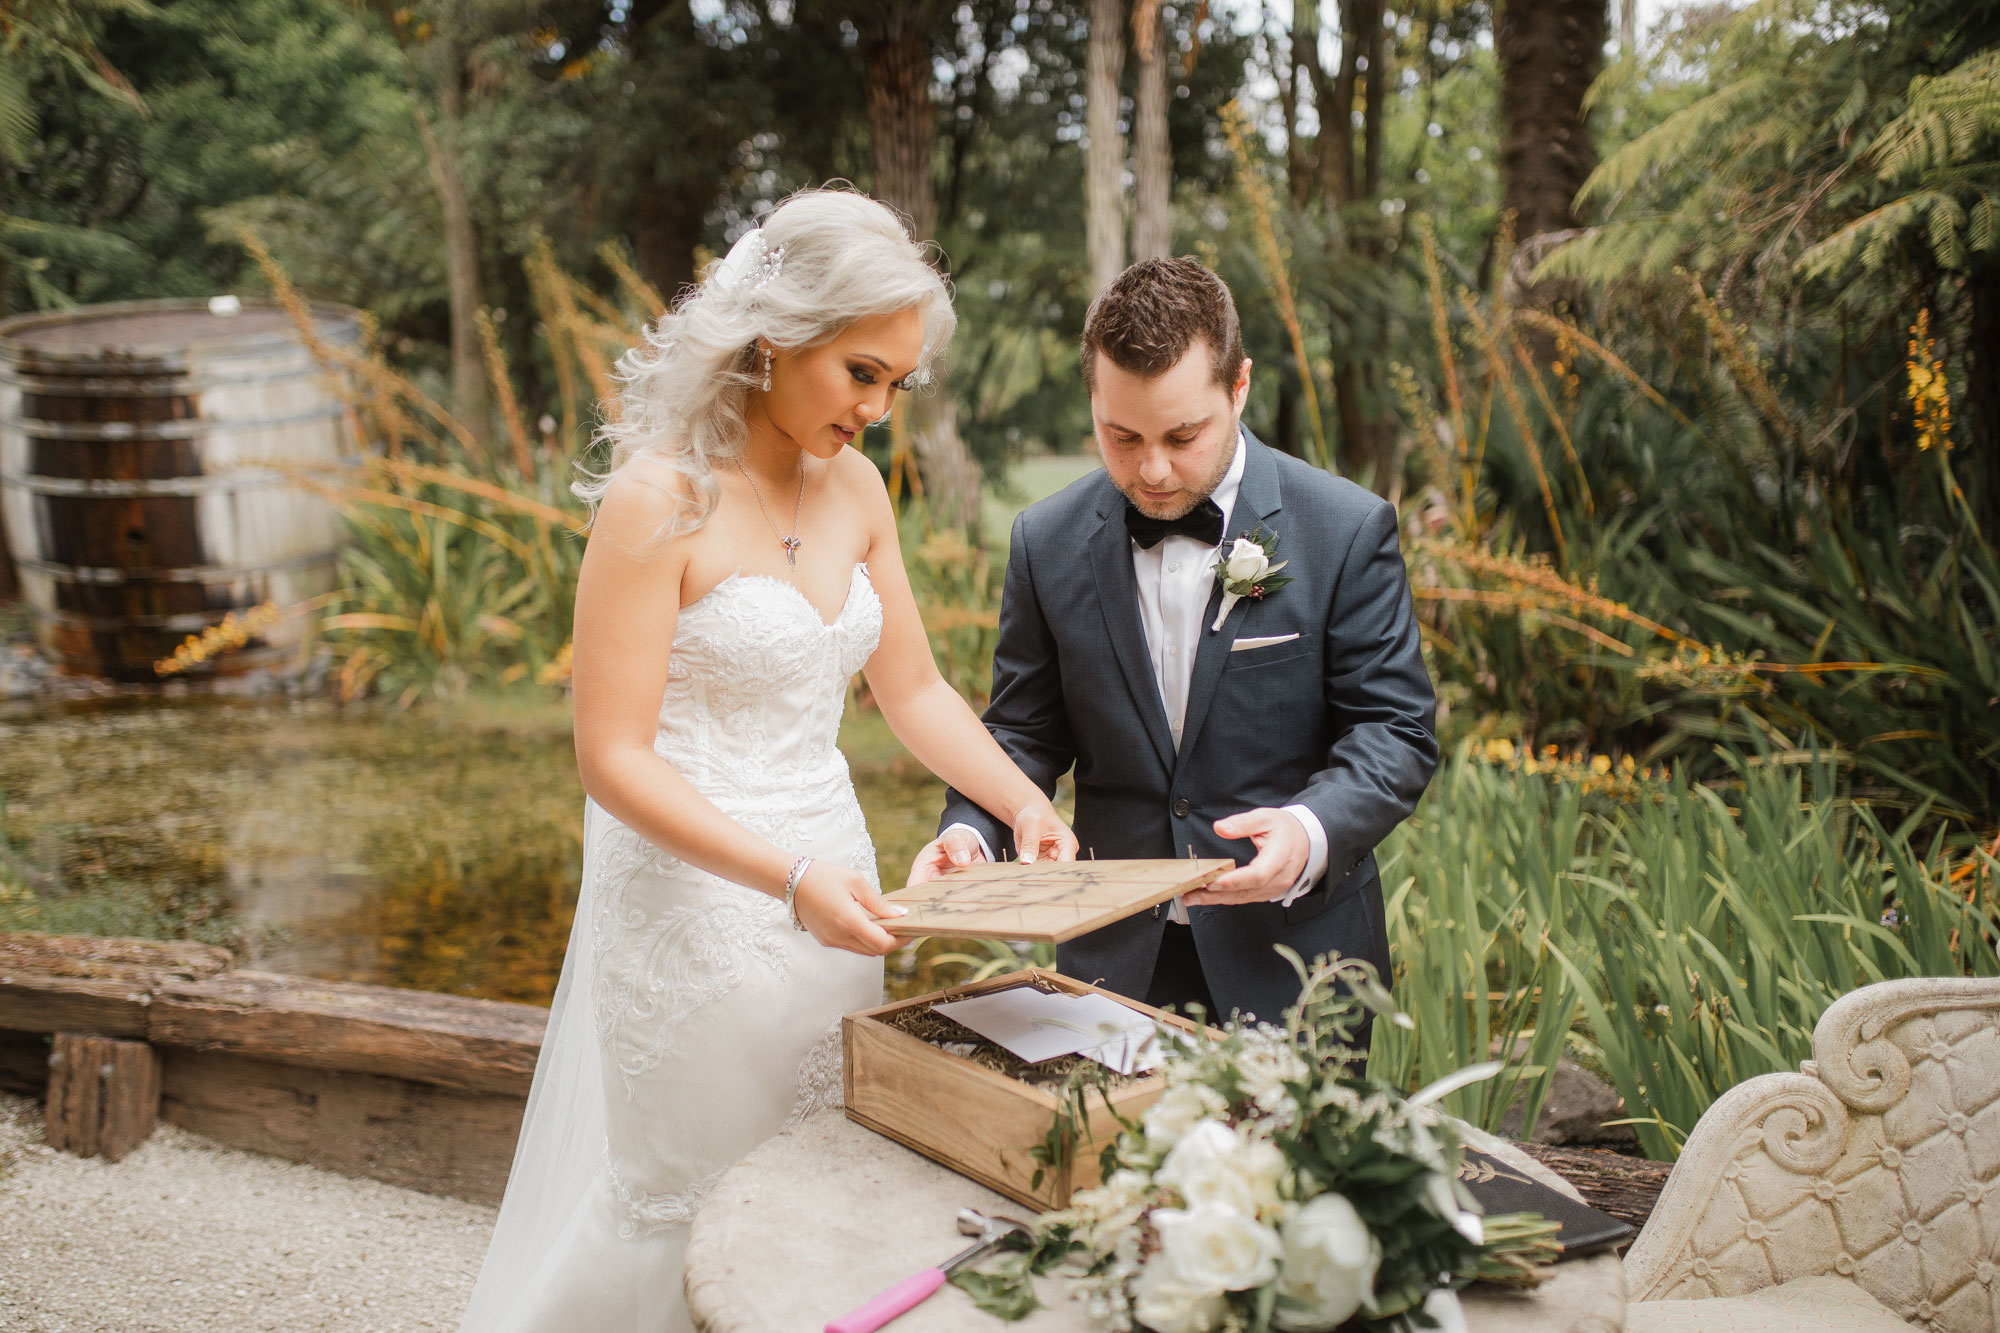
[1203,523]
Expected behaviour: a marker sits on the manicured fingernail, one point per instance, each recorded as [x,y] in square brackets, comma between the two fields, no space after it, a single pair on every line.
[898,911]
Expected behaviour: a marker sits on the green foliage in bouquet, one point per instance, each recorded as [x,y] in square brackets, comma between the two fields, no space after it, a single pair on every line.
[1271,1189]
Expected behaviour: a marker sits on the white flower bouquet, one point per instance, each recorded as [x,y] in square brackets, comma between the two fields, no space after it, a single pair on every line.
[1268,1189]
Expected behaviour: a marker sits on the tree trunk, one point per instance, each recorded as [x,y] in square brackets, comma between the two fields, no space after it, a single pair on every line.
[896,46]
[461,240]
[683,174]
[1285,428]
[667,223]
[1152,161]
[1104,151]
[904,128]
[1302,62]
[1369,23]
[1549,52]
[1336,119]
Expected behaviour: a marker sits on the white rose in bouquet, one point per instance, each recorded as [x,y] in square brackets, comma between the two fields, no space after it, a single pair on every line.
[1329,1265]
[1212,1248]
[1162,1304]
[1246,562]
[1208,1166]
[1180,1108]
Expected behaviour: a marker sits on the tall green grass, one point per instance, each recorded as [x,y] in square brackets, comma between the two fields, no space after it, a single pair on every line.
[1687,937]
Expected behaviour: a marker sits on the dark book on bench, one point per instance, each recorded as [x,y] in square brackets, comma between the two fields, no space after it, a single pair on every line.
[1501,1188]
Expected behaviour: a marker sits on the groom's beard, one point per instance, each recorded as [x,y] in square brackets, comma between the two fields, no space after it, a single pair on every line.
[1185,502]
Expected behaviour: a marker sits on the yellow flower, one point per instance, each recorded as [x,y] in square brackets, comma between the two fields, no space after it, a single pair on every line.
[1600,764]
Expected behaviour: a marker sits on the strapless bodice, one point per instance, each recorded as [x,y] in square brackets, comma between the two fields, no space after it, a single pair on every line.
[757,684]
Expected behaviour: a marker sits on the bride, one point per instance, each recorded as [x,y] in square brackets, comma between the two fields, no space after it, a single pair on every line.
[742,565]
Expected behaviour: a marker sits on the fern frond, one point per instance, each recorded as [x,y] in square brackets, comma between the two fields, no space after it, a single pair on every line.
[1677,138]
[1948,117]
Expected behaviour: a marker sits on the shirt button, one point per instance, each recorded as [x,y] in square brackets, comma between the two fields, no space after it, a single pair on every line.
[1181,808]
[1173,650]
[1174,567]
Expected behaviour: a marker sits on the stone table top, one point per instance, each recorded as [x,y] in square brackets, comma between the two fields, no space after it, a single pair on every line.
[828,1214]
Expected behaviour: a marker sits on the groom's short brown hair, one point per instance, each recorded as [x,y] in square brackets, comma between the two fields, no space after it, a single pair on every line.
[1147,317]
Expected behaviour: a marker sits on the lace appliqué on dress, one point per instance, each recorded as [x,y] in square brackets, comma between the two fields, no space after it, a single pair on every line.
[682,959]
[821,1085]
[641,1212]
[821,1088]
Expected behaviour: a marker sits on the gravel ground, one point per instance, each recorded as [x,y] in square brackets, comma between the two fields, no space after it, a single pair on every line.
[186,1235]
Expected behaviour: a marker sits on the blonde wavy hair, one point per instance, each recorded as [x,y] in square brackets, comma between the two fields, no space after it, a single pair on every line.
[840,256]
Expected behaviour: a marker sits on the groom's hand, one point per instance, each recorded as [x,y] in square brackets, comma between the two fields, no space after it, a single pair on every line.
[956,847]
[1282,851]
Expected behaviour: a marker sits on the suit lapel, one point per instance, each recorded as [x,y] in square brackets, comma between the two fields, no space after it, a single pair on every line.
[1118,597]
[1257,501]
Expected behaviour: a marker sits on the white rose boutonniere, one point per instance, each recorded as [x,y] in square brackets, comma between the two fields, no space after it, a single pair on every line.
[1246,570]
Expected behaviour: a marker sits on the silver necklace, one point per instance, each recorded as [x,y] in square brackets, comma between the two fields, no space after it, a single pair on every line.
[791,543]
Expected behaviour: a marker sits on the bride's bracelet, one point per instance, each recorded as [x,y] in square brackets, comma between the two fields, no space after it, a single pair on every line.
[792,890]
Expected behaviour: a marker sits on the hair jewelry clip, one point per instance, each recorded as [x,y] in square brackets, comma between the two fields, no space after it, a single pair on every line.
[750,263]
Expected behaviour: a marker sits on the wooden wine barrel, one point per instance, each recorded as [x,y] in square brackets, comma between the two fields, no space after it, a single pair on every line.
[143,449]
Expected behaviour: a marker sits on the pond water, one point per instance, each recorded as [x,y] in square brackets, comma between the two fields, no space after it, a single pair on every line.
[437,848]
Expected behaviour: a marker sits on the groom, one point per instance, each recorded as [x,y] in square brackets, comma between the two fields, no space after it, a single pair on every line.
[1291,739]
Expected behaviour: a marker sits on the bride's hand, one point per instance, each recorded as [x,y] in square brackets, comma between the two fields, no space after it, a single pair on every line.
[839,908]
[1041,835]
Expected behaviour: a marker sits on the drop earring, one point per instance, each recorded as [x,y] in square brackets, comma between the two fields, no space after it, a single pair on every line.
[767,370]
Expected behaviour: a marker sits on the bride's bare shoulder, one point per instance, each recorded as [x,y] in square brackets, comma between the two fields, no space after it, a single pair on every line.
[643,504]
[856,478]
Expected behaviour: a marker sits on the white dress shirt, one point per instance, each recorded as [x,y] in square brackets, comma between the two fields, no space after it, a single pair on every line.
[1175,578]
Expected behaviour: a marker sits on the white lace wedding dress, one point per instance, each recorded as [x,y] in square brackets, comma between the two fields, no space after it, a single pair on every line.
[692,1021]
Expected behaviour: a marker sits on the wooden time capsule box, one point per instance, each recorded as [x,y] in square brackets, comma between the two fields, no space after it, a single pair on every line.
[978,1121]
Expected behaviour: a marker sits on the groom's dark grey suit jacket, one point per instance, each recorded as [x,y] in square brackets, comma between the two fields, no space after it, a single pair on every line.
[1339,719]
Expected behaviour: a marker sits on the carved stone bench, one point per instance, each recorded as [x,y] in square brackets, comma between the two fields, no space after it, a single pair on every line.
[1860,1193]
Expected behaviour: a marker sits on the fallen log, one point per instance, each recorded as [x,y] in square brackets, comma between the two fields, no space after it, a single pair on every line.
[410,1087]
[445,1040]
[79,983]
[416,1135]
[1625,1187]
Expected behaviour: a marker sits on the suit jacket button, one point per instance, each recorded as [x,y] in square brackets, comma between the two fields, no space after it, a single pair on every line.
[1181,808]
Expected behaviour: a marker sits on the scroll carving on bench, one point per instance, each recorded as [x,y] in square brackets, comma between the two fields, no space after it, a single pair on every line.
[1878,1163]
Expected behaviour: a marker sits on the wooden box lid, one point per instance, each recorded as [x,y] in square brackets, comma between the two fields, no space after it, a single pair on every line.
[1045,902]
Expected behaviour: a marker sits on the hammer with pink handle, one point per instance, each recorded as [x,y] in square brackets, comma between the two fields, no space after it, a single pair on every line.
[911,1291]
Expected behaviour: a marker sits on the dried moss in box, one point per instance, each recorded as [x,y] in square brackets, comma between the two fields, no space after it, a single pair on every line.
[933,1028]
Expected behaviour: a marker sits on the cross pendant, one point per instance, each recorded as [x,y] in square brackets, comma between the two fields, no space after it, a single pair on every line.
[792,545]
